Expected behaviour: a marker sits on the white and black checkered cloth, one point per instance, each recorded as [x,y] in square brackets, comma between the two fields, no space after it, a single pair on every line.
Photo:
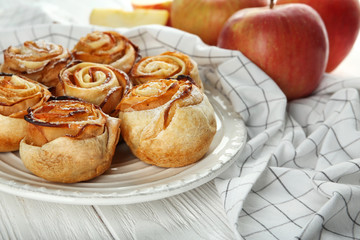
[299,174]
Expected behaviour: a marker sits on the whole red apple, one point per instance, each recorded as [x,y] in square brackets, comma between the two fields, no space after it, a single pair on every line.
[205,18]
[288,42]
[342,22]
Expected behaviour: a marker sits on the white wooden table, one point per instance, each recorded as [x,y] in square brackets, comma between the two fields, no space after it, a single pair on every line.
[196,214]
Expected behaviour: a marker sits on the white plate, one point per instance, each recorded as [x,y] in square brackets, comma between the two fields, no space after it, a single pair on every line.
[128,180]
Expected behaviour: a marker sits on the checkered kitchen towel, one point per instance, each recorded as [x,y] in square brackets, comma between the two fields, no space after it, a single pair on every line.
[299,174]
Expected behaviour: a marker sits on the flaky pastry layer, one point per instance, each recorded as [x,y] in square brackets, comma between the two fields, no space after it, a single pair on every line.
[17,94]
[107,47]
[173,134]
[40,61]
[165,65]
[100,84]
[69,160]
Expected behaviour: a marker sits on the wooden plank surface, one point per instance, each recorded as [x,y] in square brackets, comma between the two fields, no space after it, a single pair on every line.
[197,214]
[22,218]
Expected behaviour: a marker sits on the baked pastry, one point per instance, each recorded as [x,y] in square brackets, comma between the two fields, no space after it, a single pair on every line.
[165,65]
[40,61]
[108,47]
[68,140]
[167,122]
[17,94]
[102,85]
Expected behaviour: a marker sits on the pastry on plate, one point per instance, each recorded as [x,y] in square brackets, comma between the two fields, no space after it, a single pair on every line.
[17,94]
[100,84]
[40,61]
[68,140]
[165,65]
[167,122]
[107,47]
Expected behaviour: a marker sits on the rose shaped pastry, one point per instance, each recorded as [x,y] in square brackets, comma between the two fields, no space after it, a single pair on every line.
[107,47]
[165,65]
[167,122]
[68,140]
[41,61]
[17,94]
[99,84]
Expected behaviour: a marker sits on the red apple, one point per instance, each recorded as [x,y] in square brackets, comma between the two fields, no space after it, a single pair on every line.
[342,22]
[289,42]
[205,18]
[153,4]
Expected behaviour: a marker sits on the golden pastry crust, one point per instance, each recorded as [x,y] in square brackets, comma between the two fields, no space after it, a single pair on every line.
[107,47]
[102,85]
[40,61]
[167,123]
[69,141]
[17,94]
[13,131]
[165,65]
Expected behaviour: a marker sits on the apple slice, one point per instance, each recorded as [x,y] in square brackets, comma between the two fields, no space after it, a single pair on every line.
[153,4]
[122,18]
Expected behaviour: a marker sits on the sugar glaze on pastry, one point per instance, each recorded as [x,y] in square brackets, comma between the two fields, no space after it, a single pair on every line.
[17,94]
[107,47]
[165,65]
[69,140]
[40,61]
[100,84]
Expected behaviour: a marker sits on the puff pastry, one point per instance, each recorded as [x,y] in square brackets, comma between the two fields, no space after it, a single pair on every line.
[68,140]
[167,122]
[165,65]
[17,94]
[40,61]
[100,84]
[107,47]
